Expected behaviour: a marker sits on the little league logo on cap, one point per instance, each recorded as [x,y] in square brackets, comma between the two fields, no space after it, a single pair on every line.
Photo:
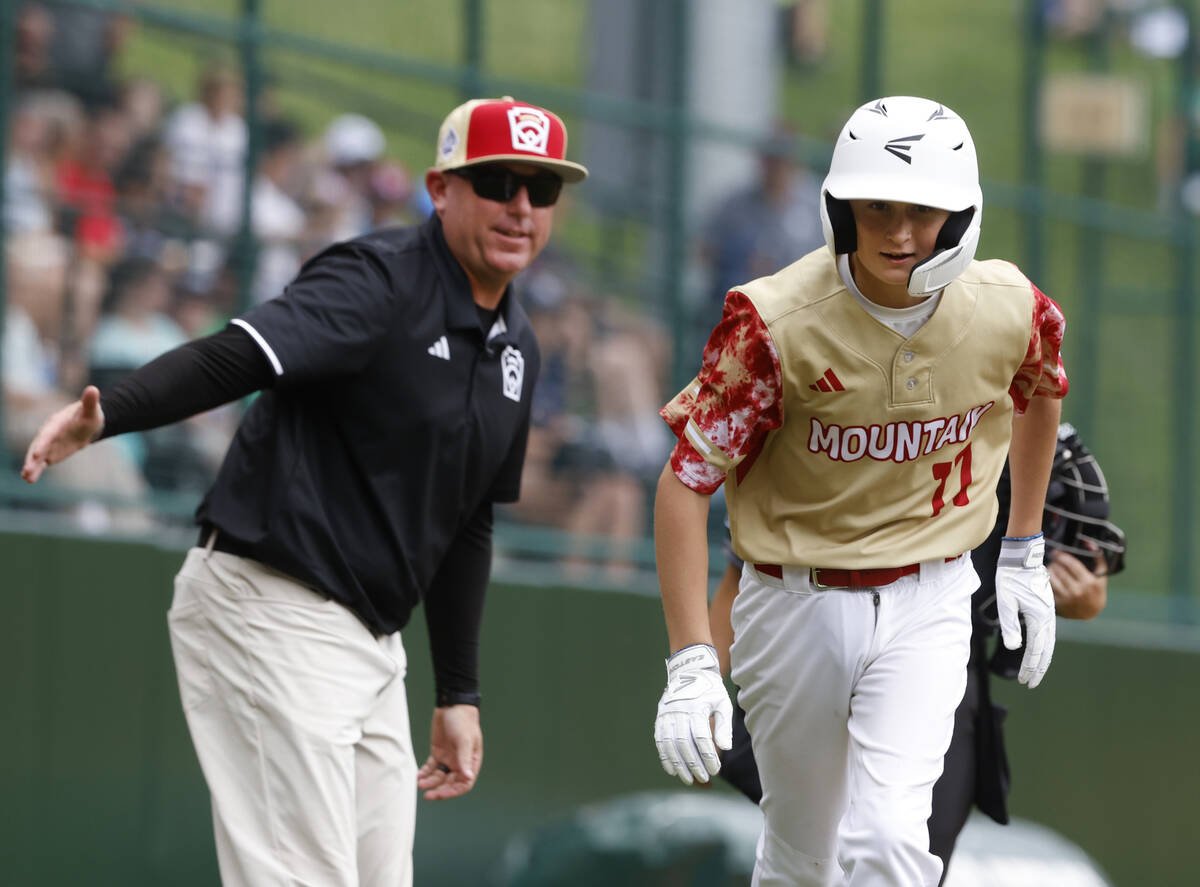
[495,130]
[530,129]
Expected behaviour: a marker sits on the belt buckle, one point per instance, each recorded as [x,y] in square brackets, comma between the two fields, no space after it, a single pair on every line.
[813,581]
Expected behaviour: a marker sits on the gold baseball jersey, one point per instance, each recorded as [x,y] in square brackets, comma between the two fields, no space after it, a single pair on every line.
[844,444]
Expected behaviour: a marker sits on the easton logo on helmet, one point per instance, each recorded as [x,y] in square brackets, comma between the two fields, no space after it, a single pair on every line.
[900,147]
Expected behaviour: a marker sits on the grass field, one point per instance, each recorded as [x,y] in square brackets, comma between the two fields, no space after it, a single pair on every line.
[1117,288]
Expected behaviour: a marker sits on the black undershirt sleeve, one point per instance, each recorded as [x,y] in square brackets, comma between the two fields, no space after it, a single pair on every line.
[195,377]
[454,611]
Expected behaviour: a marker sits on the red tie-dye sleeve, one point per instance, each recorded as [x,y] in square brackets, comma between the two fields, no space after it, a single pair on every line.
[1041,374]
[723,415]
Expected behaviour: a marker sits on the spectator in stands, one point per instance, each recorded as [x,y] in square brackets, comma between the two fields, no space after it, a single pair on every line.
[391,195]
[144,105]
[32,65]
[629,363]
[135,327]
[66,125]
[84,43]
[206,144]
[573,478]
[152,226]
[86,191]
[36,266]
[760,229]
[353,144]
[27,178]
[279,222]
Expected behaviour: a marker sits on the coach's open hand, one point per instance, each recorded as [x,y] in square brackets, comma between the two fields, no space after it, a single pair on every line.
[455,753]
[66,432]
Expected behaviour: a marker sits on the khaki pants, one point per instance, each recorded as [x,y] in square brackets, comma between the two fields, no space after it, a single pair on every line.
[299,718]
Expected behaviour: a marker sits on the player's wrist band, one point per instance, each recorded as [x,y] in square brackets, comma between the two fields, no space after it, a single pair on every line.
[688,647]
[446,698]
[1020,538]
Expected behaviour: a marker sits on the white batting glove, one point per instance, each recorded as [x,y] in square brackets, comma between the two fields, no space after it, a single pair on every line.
[695,692]
[1023,589]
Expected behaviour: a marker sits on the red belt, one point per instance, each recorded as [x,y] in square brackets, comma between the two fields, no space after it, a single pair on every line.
[826,578]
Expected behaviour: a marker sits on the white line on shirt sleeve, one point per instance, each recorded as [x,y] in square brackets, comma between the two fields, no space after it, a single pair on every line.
[262,343]
[698,440]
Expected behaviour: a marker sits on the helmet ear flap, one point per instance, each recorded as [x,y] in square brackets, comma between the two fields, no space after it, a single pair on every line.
[841,224]
[952,253]
[954,228]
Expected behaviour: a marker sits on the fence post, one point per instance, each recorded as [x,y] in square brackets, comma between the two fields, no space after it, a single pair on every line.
[1183,354]
[472,48]
[871,86]
[678,146]
[1032,171]
[250,38]
[1086,321]
[8,41]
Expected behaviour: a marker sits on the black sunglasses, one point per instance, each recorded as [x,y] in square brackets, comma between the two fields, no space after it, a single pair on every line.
[501,184]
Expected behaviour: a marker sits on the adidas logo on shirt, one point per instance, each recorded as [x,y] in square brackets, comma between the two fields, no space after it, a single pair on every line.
[828,382]
[440,348]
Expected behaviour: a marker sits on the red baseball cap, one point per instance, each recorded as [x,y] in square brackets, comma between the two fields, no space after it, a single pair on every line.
[490,130]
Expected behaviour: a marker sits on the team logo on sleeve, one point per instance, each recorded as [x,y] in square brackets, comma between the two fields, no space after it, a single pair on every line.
[530,129]
[512,365]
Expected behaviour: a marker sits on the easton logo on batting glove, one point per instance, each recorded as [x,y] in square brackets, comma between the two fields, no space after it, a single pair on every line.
[1023,592]
[695,693]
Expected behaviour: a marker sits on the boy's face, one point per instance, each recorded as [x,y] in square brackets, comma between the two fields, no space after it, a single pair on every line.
[892,238]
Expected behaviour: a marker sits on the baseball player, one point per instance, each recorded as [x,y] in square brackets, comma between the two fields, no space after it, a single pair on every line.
[1082,550]
[858,406]
[397,371]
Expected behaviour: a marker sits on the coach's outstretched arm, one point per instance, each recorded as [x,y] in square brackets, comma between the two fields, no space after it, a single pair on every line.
[185,381]
[695,690]
[65,433]
[1022,583]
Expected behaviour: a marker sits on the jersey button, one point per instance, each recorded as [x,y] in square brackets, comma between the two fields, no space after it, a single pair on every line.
[907,356]
[911,384]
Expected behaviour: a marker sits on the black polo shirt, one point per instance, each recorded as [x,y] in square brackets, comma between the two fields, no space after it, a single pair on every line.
[395,416]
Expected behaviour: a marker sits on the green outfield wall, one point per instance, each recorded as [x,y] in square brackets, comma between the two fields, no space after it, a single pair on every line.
[101,786]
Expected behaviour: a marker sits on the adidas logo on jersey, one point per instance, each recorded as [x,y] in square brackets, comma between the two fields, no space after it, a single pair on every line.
[828,382]
[440,348]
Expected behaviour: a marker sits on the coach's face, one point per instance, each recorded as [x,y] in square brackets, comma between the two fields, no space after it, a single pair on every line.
[493,237]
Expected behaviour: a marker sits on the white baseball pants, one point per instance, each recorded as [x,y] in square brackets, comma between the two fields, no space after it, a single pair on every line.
[850,699]
[299,718]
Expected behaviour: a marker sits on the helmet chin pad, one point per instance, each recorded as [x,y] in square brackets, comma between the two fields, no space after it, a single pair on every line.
[952,253]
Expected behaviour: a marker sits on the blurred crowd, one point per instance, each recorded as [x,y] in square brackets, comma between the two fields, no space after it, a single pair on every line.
[125,238]
[124,220]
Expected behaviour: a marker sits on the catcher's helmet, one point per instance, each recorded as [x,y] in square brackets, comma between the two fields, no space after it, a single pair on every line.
[910,150]
[1077,506]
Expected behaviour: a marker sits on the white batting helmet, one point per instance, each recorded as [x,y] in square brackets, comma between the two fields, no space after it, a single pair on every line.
[910,150]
